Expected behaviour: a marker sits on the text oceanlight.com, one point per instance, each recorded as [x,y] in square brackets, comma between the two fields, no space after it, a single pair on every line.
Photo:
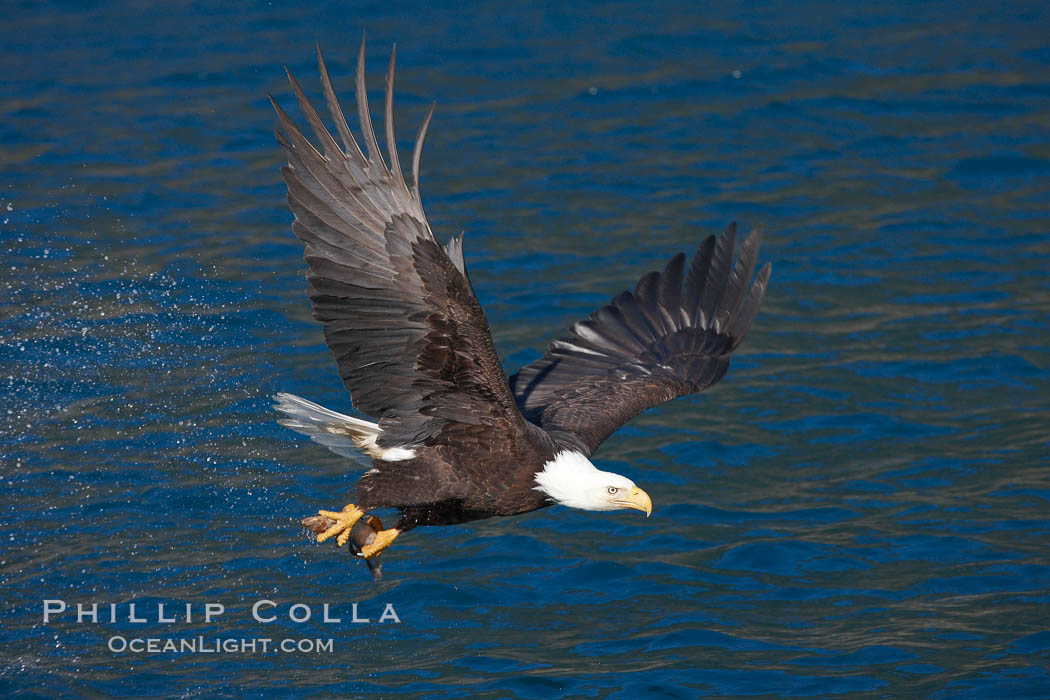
[229,645]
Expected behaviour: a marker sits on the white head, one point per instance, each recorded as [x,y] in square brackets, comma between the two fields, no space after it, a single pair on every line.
[571,480]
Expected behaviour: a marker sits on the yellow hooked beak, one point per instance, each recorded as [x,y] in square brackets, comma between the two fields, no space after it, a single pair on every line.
[639,500]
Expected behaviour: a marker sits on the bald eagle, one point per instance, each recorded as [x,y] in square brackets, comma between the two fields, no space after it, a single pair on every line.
[452,440]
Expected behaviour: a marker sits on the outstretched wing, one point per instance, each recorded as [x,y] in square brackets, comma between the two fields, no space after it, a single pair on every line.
[665,340]
[409,336]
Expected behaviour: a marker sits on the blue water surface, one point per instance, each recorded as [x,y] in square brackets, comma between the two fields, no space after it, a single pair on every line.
[861,509]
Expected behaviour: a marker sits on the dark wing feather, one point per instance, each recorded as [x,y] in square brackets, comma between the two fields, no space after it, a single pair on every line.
[410,338]
[663,341]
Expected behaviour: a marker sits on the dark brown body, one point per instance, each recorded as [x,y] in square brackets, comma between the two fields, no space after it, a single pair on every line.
[440,487]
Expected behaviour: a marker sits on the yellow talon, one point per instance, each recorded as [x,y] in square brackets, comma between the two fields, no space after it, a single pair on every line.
[382,540]
[345,521]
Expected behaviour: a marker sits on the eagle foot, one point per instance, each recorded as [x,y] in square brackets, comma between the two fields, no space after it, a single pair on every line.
[383,539]
[344,523]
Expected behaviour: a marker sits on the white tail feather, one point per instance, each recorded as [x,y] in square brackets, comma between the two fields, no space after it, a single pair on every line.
[342,434]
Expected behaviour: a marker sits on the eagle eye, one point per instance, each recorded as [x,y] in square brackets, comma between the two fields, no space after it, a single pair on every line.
[613,489]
